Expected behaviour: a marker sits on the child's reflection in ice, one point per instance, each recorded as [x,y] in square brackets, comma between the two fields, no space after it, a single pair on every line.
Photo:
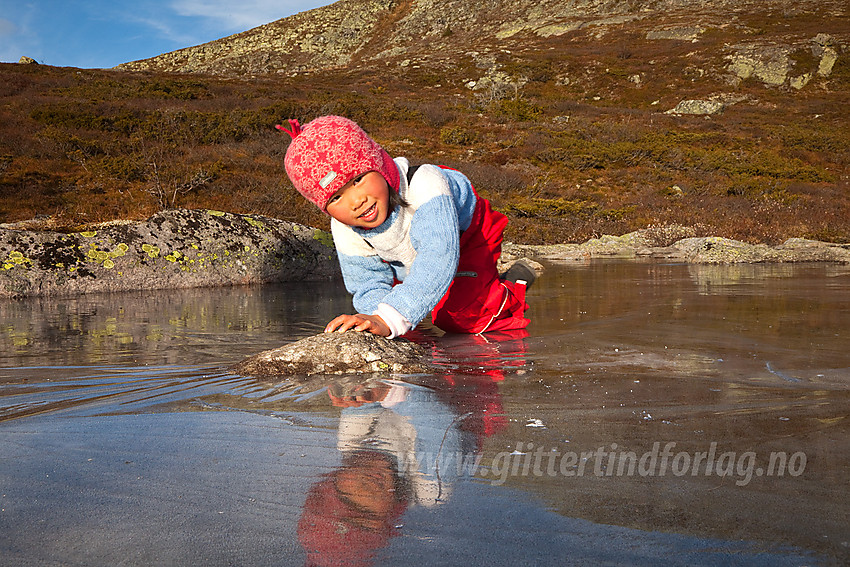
[402,445]
[352,511]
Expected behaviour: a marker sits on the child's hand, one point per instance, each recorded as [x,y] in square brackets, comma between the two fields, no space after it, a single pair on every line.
[362,394]
[360,322]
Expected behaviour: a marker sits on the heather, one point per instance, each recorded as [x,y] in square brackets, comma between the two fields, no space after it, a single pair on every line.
[570,139]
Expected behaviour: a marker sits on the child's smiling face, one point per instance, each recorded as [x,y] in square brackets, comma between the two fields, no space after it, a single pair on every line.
[362,202]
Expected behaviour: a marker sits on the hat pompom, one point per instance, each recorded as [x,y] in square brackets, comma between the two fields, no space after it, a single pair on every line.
[294,128]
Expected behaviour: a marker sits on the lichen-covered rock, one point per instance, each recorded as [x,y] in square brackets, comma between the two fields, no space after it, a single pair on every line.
[826,48]
[173,249]
[698,107]
[678,33]
[770,64]
[679,243]
[337,353]
[714,250]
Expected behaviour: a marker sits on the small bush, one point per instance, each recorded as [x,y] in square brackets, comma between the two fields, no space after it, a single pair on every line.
[519,109]
[173,89]
[457,136]
[534,71]
[536,208]
[122,167]
[823,139]
[617,214]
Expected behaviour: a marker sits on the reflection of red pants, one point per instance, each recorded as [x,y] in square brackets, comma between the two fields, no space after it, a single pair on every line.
[477,300]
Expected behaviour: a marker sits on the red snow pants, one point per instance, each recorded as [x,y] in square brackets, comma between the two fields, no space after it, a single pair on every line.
[477,300]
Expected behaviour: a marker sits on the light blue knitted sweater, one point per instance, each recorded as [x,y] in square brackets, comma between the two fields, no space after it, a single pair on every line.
[418,244]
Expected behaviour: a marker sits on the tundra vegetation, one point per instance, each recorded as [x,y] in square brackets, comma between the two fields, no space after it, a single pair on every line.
[570,138]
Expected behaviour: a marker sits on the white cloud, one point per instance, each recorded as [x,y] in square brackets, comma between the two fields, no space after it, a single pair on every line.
[7,28]
[17,39]
[153,23]
[103,33]
[167,30]
[241,16]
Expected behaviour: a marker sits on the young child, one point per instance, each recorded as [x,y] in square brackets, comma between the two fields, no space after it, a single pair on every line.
[410,240]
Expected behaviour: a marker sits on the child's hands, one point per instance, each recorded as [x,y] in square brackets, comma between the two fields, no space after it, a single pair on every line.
[360,395]
[360,322]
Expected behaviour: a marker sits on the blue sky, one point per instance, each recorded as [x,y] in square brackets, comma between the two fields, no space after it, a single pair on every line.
[103,33]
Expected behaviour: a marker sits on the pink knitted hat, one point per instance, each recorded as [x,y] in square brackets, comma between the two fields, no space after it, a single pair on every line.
[330,151]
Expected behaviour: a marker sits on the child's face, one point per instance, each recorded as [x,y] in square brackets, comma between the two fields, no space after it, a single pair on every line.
[363,202]
[367,485]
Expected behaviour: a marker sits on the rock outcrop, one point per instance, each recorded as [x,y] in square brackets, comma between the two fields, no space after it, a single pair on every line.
[322,38]
[445,35]
[679,243]
[774,64]
[699,107]
[679,33]
[337,353]
[173,249]
[825,48]
[200,248]
[768,64]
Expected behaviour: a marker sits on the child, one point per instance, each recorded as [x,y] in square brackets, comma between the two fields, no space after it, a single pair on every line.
[410,240]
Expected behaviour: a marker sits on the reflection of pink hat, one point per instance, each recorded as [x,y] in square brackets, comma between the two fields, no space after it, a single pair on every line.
[330,536]
[330,151]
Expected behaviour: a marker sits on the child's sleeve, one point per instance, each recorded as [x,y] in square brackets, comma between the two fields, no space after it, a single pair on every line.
[367,278]
[435,236]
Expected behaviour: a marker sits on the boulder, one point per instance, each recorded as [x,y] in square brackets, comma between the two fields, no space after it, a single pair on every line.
[674,242]
[715,250]
[767,63]
[680,34]
[698,107]
[826,48]
[827,62]
[178,248]
[338,353]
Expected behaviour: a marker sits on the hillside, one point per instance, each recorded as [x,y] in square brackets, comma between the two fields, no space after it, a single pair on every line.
[575,118]
[443,33]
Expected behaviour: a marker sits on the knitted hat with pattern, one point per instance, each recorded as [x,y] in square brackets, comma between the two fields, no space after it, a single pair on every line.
[328,152]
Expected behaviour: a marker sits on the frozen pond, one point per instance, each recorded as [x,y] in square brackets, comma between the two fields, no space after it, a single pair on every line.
[653,413]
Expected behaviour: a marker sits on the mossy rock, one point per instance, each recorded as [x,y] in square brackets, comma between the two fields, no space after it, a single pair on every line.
[350,352]
[178,248]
